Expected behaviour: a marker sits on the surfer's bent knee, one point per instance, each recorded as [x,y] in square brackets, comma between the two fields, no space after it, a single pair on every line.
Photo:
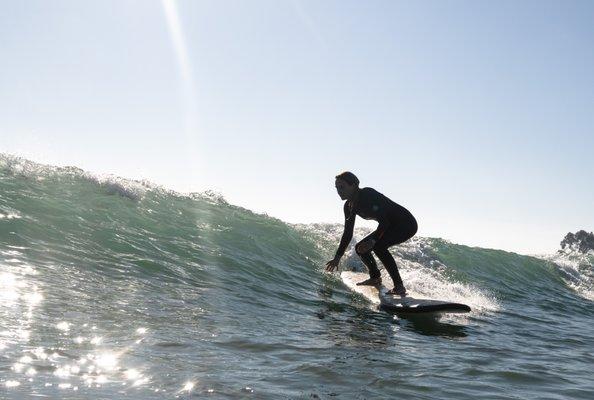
[358,251]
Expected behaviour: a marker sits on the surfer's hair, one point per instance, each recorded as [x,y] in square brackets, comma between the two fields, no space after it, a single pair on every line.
[349,178]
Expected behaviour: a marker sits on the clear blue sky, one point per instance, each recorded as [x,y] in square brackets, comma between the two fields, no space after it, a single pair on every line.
[478,116]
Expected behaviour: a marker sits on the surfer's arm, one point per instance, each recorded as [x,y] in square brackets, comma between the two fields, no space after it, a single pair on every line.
[347,235]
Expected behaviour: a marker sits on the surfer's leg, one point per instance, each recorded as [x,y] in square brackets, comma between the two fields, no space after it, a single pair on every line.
[386,258]
[396,235]
[369,262]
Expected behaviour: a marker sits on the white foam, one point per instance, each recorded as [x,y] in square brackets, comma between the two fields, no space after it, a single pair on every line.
[577,270]
[133,190]
[428,283]
[9,215]
[431,282]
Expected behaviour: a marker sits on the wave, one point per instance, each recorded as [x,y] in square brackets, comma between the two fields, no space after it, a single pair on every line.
[121,228]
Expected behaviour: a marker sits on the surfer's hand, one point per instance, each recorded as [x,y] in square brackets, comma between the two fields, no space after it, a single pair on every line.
[365,246]
[332,265]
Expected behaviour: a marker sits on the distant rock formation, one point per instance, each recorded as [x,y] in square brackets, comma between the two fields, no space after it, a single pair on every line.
[580,241]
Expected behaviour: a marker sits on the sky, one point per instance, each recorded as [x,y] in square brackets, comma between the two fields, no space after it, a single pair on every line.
[477,116]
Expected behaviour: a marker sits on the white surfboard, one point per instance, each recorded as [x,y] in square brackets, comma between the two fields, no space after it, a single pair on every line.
[396,304]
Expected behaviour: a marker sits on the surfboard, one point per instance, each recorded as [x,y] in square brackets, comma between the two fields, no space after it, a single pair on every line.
[411,305]
[398,305]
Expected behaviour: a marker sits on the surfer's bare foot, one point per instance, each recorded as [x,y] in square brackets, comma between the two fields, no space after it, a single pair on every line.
[398,290]
[371,282]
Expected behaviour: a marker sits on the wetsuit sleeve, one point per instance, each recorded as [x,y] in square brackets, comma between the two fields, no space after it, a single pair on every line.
[347,235]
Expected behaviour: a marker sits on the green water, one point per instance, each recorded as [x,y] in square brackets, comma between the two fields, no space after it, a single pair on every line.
[119,289]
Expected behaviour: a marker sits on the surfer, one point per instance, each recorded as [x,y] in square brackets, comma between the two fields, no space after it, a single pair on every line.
[396,225]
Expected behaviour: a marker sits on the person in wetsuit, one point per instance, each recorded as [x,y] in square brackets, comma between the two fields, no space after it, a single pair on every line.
[396,225]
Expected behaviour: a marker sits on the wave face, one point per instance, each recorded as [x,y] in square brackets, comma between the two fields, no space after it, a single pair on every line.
[115,288]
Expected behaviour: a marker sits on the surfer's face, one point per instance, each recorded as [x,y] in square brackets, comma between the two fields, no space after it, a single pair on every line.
[345,191]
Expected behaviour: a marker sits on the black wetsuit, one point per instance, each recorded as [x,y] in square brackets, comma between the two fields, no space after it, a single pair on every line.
[396,225]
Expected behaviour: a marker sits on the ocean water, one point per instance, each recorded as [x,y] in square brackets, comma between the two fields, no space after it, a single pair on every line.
[111,288]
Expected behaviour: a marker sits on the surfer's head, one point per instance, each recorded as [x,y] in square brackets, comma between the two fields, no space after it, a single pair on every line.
[347,185]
